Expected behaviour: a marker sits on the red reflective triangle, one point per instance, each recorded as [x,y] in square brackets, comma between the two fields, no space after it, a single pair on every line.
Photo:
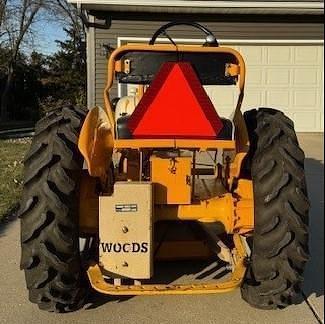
[175,106]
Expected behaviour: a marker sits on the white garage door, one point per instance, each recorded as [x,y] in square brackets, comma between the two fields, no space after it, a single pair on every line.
[281,76]
[289,78]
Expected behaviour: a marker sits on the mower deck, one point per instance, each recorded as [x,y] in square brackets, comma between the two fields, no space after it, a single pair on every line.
[98,282]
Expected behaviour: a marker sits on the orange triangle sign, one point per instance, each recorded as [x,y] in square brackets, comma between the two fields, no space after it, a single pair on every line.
[175,106]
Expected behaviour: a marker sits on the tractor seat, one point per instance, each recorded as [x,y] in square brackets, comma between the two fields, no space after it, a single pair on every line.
[226,133]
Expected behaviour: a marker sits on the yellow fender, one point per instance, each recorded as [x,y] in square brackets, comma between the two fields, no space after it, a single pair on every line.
[96,143]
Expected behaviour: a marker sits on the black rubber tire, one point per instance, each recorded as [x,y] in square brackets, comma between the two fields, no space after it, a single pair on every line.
[49,213]
[280,241]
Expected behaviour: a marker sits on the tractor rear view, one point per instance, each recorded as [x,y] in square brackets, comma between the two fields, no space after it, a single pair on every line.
[160,176]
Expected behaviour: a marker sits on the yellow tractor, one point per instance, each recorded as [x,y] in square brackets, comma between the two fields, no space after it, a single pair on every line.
[113,195]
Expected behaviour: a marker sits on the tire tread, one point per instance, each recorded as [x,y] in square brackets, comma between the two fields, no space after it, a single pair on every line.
[280,242]
[49,213]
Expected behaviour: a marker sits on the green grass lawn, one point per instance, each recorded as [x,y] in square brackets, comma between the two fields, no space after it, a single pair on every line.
[12,153]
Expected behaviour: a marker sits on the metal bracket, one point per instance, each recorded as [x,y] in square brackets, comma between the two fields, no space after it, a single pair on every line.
[232,70]
[85,20]
[127,66]
[223,252]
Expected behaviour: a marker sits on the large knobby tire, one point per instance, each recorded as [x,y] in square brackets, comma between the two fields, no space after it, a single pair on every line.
[280,241]
[49,213]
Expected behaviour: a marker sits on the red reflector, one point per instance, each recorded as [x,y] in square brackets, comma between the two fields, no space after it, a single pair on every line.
[175,106]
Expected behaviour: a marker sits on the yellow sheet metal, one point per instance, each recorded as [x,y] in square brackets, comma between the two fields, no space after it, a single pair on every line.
[96,142]
[98,282]
[174,143]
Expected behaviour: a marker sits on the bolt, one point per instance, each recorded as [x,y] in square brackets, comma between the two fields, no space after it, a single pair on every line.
[125,229]
[125,264]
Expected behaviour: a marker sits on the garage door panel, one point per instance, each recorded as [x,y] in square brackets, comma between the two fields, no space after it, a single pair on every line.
[305,121]
[305,99]
[226,113]
[253,55]
[254,98]
[255,76]
[306,76]
[224,97]
[307,55]
[321,121]
[287,77]
[278,98]
[279,55]
[277,77]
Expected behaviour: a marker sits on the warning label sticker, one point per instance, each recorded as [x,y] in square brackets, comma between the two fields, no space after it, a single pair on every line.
[126,208]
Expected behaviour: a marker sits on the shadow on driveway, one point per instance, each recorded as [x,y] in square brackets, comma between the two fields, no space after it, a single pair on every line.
[314,275]
[10,216]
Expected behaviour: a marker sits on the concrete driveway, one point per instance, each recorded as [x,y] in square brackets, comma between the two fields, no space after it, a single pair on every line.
[224,308]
